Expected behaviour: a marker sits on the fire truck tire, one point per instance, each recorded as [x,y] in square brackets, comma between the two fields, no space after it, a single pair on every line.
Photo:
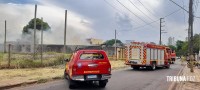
[167,66]
[103,83]
[135,67]
[153,66]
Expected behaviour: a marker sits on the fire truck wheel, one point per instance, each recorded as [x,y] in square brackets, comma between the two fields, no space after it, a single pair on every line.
[135,67]
[153,66]
[168,66]
[103,83]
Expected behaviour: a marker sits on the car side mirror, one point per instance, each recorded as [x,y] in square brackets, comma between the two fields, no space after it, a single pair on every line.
[66,60]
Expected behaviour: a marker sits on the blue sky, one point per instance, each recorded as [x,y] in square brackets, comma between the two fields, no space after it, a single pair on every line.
[98,19]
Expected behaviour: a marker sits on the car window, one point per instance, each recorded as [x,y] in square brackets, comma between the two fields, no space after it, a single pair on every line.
[91,56]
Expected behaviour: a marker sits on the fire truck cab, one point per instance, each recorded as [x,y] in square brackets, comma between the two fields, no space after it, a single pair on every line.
[173,56]
[146,55]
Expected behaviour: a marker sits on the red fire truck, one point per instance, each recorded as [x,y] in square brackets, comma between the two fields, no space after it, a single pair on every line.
[173,56]
[146,55]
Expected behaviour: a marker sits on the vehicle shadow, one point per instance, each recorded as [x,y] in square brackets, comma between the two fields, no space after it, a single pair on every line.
[86,86]
[145,69]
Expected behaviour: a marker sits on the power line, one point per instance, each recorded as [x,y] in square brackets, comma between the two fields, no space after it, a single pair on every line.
[118,10]
[172,13]
[183,8]
[153,21]
[140,10]
[196,5]
[145,7]
[131,11]
[142,26]
[179,6]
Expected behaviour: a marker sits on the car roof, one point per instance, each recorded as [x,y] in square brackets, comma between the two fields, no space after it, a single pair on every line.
[90,50]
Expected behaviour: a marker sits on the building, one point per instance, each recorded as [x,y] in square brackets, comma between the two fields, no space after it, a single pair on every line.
[93,41]
[171,41]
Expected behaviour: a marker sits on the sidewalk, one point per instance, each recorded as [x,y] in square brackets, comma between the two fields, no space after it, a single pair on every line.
[190,85]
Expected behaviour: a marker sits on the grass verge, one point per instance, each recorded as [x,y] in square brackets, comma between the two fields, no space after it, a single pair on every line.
[42,75]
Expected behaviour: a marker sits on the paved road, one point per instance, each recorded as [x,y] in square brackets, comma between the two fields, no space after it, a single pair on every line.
[126,79]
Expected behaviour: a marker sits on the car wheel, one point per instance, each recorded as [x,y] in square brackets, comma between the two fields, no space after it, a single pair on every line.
[71,84]
[153,67]
[65,75]
[103,83]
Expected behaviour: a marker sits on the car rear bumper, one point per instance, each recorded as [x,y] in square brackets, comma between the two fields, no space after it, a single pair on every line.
[85,77]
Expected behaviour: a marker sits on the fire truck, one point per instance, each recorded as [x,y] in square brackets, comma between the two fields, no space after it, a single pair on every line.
[146,55]
[173,56]
[168,54]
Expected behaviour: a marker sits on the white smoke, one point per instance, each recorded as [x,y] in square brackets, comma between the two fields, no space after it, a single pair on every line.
[18,15]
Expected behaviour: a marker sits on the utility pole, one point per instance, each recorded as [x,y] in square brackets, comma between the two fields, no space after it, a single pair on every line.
[9,55]
[34,45]
[42,41]
[115,45]
[64,50]
[5,38]
[190,34]
[160,41]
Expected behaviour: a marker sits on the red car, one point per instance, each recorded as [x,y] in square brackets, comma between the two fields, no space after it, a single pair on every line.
[88,66]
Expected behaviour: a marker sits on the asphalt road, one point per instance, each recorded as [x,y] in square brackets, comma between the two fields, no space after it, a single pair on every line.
[126,79]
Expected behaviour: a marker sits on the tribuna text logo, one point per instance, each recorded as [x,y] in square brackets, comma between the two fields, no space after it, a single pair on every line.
[180,78]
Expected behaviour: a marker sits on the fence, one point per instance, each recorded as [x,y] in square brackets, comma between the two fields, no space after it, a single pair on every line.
[21,56]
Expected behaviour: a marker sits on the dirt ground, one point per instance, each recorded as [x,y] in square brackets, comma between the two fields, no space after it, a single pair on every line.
[42,74]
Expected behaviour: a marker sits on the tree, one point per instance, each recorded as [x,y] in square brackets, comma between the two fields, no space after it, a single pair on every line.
[30,26]
[179,45]
[196,43]
[112,42]
[172,47]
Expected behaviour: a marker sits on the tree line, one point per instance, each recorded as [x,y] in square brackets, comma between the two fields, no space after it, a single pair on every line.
[181,47]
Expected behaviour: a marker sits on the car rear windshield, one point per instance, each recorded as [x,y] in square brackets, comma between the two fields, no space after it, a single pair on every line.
[91,56]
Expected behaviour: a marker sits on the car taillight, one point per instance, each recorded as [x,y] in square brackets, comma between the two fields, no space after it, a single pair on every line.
[109,69]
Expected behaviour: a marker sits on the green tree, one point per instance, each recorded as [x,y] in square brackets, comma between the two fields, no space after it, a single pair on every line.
[181,48]
[112,42]
[39,23]
[196,43]
[172,47]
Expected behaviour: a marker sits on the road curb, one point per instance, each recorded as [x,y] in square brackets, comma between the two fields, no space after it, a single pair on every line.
[174,84]
[12,85]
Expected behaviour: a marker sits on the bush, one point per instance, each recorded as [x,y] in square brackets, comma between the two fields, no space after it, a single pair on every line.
[26,61]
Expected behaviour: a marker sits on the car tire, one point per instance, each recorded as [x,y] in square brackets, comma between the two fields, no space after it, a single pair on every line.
[102,83]
[71,84]
[65,75]
[153,66]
